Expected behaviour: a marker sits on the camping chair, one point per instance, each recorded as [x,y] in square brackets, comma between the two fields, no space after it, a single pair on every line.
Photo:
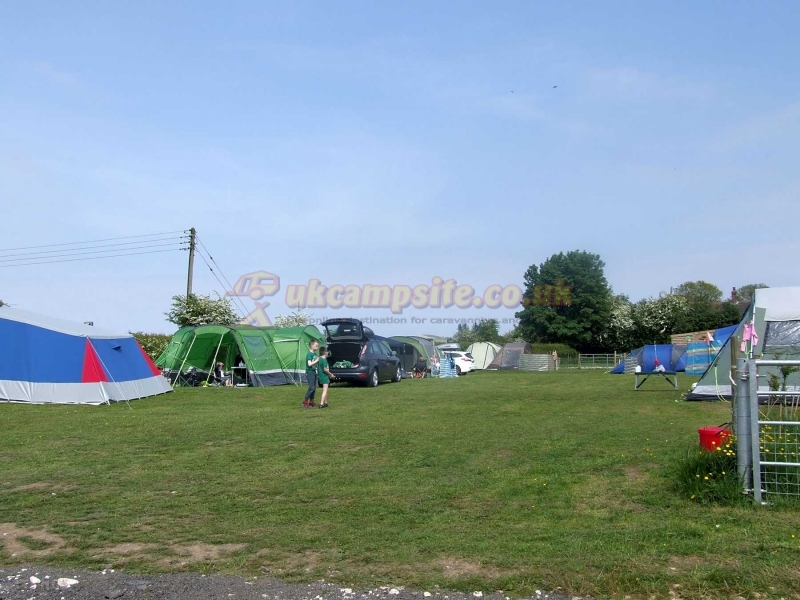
[418,371]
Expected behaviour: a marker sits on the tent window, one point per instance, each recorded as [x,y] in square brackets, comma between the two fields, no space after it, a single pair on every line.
[782,333]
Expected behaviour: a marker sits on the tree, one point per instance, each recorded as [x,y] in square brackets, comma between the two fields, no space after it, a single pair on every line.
[464,336]
[705,309]
[699,291]
[486,330]
[729,314]
[745,293]
[567,300]
[655,319]
[201,310]
[621,325]
[2,303]
[295,319]
[152,343]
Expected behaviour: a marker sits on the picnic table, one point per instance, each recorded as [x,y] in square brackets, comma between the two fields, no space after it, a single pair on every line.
[670,376]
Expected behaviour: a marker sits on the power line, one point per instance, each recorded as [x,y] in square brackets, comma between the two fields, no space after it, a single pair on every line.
[12,259]
[129,237]
[2,266]
[230,287]
[200,254]
[139,245]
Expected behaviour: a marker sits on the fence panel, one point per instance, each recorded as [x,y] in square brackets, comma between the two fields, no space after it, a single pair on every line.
[589,361]
[775,426]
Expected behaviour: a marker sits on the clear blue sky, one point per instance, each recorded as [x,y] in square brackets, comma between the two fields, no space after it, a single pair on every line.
[391,142]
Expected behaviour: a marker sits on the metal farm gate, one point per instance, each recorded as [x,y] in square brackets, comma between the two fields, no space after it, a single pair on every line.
[767,426]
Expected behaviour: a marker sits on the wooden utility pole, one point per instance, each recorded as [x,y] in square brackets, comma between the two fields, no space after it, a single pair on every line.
[192,233]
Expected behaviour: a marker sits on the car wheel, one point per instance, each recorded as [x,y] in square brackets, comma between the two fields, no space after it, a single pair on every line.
[458,370]
[373,379]
[397,375]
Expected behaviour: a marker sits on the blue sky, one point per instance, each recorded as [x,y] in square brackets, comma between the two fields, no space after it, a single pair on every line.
[362,142]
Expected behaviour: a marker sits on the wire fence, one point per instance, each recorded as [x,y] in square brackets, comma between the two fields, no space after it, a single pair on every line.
[779,446]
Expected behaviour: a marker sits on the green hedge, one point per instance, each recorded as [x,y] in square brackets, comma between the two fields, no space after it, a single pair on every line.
[563,350]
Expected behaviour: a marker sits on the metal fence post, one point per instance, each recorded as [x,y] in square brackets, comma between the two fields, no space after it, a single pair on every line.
[741,425]
[755,442]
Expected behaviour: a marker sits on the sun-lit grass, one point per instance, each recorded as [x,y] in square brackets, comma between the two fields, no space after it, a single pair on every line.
[512,481]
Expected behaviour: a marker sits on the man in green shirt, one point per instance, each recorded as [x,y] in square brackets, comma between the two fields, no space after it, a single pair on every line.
[311,373]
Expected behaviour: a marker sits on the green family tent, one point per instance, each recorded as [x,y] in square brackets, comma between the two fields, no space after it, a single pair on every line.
[258,356]
[412,350]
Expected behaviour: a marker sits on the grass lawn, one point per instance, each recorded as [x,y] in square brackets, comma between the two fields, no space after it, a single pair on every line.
[512,481]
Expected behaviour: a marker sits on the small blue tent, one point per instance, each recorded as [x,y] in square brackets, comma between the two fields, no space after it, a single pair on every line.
[45,360]
[671,356]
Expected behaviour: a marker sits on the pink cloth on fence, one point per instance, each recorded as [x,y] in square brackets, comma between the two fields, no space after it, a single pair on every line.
[749,335]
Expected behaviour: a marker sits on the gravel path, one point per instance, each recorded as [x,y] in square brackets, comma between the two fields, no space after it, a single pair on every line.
[45,583]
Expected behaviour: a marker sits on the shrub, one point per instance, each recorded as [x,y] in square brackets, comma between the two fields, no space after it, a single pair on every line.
[563,350]
[710,477]
[152,343]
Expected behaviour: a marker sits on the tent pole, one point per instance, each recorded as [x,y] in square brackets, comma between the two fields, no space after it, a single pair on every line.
[185,356]
[109,374]
[249,359]
[284,368]
[214,362]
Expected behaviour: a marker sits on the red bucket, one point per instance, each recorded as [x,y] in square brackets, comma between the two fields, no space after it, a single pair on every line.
[712,438]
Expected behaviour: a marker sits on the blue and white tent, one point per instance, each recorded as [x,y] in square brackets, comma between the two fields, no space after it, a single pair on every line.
[45,360]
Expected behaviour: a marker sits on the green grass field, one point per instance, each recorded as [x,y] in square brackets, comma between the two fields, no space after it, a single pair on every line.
[512,481]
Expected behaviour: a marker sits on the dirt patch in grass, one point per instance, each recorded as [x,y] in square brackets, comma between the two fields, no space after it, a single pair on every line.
[682,564]
[458,568]
[308,561]
[633,473]
[130,548]
[350,447]
[29,542]
[198,552]
[41,485]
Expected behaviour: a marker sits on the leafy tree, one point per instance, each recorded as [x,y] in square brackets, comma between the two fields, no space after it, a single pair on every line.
[201,310]
[295,319]
[567,300]
[655,319]
[464,336]
[728,314]
[699,292]
[621,326]
[2,303]
[486,330]
[746,292]
[152,343]
[705,309]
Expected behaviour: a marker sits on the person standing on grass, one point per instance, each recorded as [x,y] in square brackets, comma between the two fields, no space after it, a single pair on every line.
[311,373]
[325,376]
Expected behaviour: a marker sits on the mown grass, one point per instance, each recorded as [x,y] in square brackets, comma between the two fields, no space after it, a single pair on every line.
[512,481]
